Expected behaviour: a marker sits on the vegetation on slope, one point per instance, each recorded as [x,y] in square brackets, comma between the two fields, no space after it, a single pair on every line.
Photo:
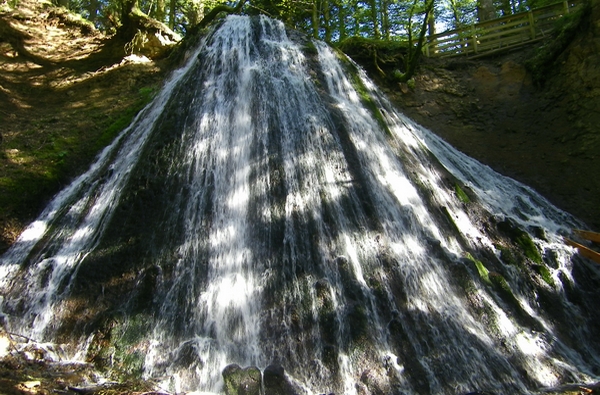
[64,97]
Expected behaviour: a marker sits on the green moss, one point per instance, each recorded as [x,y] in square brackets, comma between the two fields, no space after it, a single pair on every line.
[543,271]
[529,248]
[119,346]
[359,327]
[499,282]
[483,271]
[507,255]
[522,239]
[310,48]
[145,96]
[460,194]
[370,103]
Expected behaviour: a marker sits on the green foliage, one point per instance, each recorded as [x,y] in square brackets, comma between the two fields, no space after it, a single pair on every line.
[145,96]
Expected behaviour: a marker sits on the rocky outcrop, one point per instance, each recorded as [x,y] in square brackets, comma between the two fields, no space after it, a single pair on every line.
[247,381]
[240,381]
[276,381]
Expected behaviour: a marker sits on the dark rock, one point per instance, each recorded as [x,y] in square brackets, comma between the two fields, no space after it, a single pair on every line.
[276,382]
[375,382]
[240,381]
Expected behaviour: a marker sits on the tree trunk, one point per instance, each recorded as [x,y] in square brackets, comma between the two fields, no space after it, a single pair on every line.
[327,20]
[385,19]
[315,19]
[92,8]
[375,19]
[455,14]
[172,11]
[160,13]
[342,20]
[414,53]
[485,10]
[431,23]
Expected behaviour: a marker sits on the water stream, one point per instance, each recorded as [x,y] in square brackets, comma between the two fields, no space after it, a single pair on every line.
[271,207]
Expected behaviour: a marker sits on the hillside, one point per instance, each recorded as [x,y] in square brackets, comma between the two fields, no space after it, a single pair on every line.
[65,91]
[531,114]
[539,129]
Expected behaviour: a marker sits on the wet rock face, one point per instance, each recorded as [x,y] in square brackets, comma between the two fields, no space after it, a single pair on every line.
[247,381]
[276,382]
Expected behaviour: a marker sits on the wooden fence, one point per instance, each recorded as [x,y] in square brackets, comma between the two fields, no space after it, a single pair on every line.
[498,34]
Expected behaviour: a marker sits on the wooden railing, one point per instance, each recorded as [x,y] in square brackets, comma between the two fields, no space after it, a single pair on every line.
[498,34]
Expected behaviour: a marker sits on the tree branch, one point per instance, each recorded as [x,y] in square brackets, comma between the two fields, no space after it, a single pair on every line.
[217,10]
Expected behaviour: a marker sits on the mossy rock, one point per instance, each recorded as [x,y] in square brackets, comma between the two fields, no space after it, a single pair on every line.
[386,55]
[276,382]
[461,194]
[522,239]
[507,255]
[544,272]
[240,381]
[503,289]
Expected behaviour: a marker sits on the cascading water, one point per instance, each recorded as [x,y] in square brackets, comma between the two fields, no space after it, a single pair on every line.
[270,208]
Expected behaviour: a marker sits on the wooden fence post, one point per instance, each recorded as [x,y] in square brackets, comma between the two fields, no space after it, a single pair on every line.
[474,37]
[531,25]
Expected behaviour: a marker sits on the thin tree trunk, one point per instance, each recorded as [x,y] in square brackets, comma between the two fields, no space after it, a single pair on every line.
[342,20]
[93,7]
[160,14]
[431,23]
[414,53]
[172,12]
[375,19]
[315,19]
[385,19]
[485,10]
[327,20]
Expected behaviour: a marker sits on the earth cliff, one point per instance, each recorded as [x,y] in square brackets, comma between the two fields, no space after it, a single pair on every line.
[541,130]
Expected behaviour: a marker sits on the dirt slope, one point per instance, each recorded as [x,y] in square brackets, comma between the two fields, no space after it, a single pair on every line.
[64,94]
[546,136]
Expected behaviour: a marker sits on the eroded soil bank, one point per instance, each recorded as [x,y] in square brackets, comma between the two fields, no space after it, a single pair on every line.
[545,134]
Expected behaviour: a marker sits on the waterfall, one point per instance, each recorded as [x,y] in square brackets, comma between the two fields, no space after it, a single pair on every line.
[271,208]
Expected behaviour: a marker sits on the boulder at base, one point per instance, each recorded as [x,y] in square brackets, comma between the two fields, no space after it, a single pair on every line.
[240,381]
